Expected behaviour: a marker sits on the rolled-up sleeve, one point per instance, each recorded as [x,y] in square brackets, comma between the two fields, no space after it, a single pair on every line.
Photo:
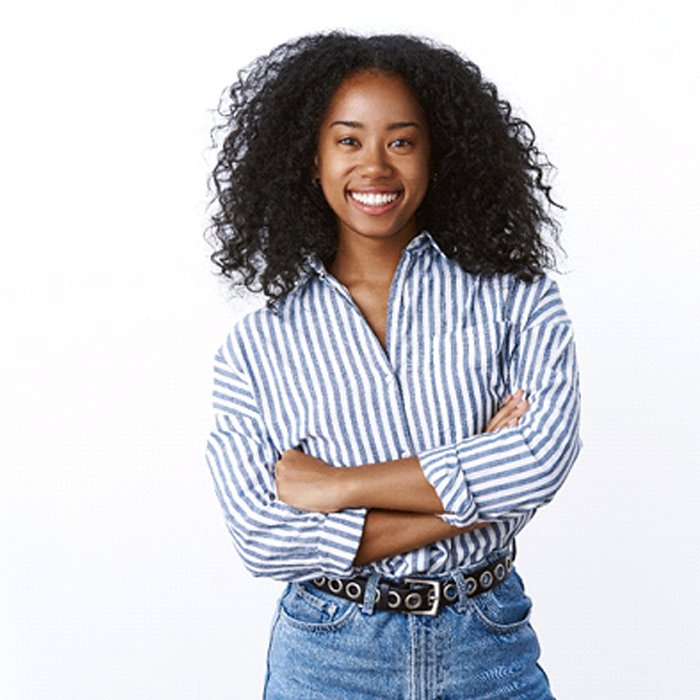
[272,538]
[497,475]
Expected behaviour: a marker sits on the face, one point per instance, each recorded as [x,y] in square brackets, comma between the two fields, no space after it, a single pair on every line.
[373,157]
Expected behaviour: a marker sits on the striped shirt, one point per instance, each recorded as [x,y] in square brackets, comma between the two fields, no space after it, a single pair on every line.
[311,374]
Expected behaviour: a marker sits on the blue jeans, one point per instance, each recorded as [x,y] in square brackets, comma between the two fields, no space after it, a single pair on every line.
[323,647]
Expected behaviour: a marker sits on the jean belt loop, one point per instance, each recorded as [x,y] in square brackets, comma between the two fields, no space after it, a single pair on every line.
[458,578]
[370,593]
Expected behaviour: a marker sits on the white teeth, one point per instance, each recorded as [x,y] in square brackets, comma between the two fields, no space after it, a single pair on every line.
[373,199]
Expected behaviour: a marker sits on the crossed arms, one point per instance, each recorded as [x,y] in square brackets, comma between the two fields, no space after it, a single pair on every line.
[401,502]
[295,517]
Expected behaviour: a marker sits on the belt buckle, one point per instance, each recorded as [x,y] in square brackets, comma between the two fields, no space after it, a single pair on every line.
[435,593]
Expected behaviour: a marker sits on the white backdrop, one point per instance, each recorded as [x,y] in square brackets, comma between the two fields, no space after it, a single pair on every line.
[117,575]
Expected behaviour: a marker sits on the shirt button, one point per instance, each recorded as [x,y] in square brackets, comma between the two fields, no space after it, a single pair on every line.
[405,453]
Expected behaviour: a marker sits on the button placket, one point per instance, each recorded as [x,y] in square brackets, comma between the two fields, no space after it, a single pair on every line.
[382,356]
[393,318]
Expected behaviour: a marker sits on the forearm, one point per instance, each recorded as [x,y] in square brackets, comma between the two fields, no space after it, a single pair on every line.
[311,484]
[399,485]
[308,483]
[390,532]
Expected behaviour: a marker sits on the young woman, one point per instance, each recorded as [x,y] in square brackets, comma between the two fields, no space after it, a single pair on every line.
[408,397]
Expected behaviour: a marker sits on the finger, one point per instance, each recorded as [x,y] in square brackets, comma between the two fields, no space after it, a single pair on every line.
[520,412]
[505,417]
[508,406]
[508,423]
[499,419]
[513,400]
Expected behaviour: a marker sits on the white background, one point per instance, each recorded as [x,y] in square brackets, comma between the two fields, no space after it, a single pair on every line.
[117,575]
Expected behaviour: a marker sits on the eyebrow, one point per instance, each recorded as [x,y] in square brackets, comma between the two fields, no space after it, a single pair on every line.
[359,125]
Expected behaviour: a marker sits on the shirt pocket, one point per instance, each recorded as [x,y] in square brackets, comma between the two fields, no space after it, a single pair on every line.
[470,351]
[463,380]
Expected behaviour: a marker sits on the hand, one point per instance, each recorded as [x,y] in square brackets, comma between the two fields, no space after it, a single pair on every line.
[510,413]
[308,483]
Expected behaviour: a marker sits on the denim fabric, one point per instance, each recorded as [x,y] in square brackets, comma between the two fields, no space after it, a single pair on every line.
[325,647]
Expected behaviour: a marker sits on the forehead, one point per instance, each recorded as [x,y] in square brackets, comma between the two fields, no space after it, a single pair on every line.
[372,96]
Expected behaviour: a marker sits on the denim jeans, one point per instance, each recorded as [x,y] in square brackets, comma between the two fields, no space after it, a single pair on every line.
[323,647]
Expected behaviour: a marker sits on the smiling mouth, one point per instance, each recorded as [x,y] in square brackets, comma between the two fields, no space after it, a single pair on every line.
[375,200]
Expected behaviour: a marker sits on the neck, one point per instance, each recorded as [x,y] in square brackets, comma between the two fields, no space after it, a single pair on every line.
[362,260]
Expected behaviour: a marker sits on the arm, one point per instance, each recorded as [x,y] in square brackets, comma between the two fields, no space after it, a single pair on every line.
[273,538]
[401,484]
[390,532]
[493,476]
[485,477]
[312,484]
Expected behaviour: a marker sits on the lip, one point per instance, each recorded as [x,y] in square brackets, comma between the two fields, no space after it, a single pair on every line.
[374,210]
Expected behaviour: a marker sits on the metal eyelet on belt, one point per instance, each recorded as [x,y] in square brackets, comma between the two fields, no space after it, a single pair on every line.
[486,579]
[393,599]
[353,590]
[500,572]
[413,600]
[450,591]
[471,585]
[320,580]
[335,585]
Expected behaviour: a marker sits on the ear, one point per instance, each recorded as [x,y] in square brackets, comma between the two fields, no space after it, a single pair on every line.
[314,168]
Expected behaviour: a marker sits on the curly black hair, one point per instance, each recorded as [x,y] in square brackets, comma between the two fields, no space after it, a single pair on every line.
[489,204]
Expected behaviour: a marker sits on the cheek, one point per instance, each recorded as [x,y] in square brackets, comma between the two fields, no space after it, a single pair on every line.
[419,178]
[419,172]
[332,169]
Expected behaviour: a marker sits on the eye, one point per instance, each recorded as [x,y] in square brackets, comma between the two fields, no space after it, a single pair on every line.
[347,141]
[401,143]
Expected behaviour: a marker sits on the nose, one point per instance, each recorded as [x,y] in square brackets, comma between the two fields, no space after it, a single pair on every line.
[375,162]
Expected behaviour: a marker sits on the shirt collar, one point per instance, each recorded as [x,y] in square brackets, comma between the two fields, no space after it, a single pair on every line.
[421,242]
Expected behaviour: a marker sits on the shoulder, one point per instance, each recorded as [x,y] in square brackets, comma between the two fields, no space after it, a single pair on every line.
[260,331]
[244,338]
[534,301]
[502,296]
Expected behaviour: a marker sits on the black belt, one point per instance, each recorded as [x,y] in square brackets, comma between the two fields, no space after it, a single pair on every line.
[419,596]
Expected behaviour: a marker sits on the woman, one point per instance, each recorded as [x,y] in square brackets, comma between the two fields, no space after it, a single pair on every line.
[393,210]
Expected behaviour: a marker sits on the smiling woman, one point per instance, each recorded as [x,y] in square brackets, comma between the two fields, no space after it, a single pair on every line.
[408,398]
[373,160]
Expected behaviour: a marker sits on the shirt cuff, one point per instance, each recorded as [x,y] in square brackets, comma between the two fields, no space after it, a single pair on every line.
[442,469]
[340,540]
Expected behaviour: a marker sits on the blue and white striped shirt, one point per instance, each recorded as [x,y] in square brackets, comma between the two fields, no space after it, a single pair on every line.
[312,374]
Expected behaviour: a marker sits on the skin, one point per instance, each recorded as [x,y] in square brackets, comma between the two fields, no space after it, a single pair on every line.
[309,483]
[374,139]
[402,502]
